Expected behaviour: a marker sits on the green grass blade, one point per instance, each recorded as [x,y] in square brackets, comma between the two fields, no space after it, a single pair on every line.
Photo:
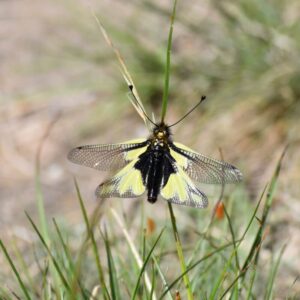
[75,283]
[232,284]
[180,254]
[168,65]
[274,270]
[20,281]
[90,233]
[40,203]
[222,276]
[253,215]
[4,294]
[144,265]
[114,286]
[44,272]
[153,280]
[163,279]
[144,257]
[38,187]
[24,268]
[191,267]
[53,260]
[233,238]
[270,195]
[64,246]
[252,279]
[133,249]
[40,196]
[234,295]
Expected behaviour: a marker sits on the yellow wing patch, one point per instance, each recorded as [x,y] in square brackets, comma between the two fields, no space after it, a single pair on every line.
[181,190]
[175,188]
[135,153]
[181,160]
[127,183]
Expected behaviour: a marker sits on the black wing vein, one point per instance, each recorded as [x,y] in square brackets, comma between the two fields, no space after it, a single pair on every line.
[105,157]
[207,170]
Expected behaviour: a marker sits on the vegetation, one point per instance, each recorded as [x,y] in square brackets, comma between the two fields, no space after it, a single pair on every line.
[249,52]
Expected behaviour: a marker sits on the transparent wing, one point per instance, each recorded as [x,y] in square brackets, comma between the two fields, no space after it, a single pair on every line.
[108,156]
[180,189]
[127,183]
[204,169]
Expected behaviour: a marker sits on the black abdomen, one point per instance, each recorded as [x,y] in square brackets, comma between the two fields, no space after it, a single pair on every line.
[156,168]
[155,176]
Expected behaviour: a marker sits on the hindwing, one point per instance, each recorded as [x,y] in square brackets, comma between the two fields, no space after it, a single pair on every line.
[127,183]
[180,189]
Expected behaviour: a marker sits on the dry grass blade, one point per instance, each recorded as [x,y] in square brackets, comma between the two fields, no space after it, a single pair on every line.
[95,292]
[183,267]
[125,73]
[133,250]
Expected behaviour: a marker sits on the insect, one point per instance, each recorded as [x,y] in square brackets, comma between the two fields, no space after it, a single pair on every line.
[156,165]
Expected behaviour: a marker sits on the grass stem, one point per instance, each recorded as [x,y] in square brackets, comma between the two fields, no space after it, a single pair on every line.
[180,254]
[168,65]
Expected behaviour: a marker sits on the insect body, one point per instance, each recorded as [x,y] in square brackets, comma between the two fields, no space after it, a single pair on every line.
[156,165]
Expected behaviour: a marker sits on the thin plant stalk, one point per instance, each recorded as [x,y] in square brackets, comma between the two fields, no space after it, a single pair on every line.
[186,279]
[39,194]
[191,267]
[91,235]
[274,270]
[269,200]
[124,71]
[24,266]
[163,114]
[162,277]
[56,265]
[168,66]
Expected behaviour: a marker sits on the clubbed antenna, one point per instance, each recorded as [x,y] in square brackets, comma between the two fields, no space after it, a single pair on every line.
[190,111]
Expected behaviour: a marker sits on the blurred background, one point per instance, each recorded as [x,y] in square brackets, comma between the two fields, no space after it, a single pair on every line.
[243,55]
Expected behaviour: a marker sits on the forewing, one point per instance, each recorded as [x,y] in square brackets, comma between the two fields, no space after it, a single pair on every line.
[127,183]
[180,189]
[204,169]
[108,156]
